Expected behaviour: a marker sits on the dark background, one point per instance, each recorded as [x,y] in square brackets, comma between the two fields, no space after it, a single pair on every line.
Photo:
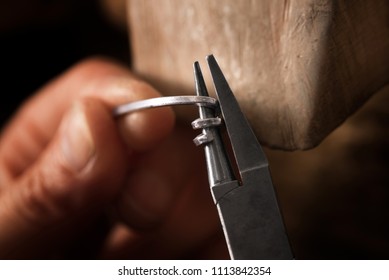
[41,39]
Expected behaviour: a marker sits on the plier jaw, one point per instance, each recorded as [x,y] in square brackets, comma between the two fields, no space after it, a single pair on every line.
[246,201]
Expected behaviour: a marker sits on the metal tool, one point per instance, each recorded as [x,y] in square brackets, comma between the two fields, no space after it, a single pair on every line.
[245,199]
[246,202]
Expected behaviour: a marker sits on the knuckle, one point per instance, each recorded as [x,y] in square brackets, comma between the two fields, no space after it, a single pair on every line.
[144,89]
[96,67]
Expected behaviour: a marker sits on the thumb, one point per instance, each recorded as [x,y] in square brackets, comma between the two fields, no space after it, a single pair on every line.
[80,171]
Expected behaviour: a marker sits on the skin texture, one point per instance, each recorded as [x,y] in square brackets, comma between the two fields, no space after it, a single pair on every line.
[298,68]
[70,174]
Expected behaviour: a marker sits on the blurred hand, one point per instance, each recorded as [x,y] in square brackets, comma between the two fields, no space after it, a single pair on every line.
[75,182]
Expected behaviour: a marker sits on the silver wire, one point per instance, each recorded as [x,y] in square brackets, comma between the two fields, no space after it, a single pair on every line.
[205,123]
[165,101]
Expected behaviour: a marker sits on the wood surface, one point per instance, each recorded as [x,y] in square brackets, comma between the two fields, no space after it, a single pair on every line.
[298,68]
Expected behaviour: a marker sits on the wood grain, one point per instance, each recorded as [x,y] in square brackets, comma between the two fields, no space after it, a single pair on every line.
[298,68]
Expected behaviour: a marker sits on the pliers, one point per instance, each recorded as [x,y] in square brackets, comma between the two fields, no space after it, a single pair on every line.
[240,181]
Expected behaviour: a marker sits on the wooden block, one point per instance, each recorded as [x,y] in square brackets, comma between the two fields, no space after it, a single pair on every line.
[298,68]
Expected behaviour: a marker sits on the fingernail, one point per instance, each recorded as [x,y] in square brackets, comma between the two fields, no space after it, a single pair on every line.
[146,199]
[77,142]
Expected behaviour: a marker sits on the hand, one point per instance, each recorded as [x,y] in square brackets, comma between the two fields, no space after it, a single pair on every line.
[65,163]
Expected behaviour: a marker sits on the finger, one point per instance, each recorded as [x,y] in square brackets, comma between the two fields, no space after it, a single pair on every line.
[168,194]
[80,171]
[36,123]
[155,182]
[190,226]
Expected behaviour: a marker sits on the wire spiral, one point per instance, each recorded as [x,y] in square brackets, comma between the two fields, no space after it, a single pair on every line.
[206,124]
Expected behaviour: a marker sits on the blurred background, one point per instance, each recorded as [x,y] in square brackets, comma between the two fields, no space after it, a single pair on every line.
[39,39]
[335,198]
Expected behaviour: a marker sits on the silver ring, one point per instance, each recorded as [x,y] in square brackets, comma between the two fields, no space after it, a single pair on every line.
[206,101]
